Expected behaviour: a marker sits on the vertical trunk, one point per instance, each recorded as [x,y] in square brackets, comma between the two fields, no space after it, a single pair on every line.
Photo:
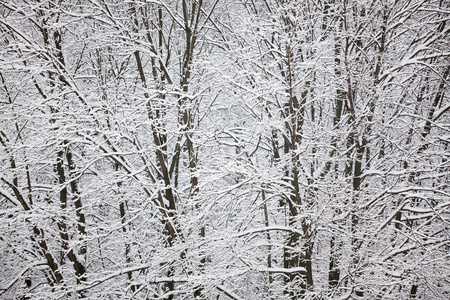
[191,18]
[334,268]
[296,112]
[62,224]
[269,248]
[413,293]
[122,213]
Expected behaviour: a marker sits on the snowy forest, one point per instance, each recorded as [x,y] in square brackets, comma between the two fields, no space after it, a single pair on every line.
[224,149]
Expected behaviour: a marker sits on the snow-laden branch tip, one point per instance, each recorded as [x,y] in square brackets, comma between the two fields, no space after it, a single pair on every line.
[20,275]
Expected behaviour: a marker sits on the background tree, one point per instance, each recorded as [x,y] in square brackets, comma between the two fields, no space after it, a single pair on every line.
[224,149]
